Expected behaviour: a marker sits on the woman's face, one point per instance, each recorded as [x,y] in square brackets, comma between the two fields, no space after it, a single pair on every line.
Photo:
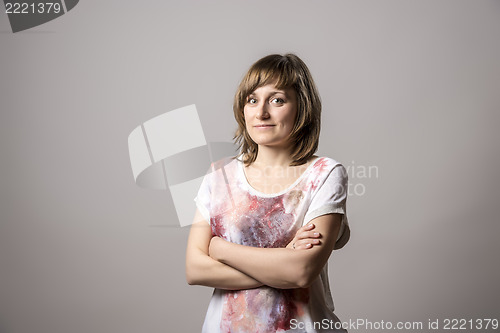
[270,115]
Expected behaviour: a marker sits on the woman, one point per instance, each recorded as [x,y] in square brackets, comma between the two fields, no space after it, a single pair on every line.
[271,216]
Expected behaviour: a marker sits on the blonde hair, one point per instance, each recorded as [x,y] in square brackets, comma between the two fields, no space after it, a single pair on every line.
[289,71]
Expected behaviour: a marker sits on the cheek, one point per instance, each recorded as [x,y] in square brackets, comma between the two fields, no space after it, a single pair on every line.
[246,114]
[290,118]
[246,117]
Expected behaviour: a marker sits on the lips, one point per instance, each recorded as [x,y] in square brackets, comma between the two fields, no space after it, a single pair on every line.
[263,125]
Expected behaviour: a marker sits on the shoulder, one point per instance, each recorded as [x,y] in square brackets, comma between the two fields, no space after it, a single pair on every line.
[221,168]
[228,161]
[328,166]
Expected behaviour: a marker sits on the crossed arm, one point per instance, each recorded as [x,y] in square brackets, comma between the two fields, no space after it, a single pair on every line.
[214,262]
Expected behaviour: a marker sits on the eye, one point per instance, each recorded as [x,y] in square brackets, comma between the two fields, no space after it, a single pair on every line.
[251,100]
[277,100]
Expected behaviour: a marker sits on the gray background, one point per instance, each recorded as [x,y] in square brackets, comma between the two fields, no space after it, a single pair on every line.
[411,87]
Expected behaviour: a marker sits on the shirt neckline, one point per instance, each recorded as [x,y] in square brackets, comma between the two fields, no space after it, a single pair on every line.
[270,195]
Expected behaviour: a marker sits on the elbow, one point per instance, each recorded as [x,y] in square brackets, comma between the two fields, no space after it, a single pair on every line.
[303,282]
[190,280]
[193,280]
[191,277]
[305,277]
[196,270]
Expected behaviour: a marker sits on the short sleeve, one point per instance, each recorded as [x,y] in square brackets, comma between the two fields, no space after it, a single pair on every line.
[331,197]
[202,199]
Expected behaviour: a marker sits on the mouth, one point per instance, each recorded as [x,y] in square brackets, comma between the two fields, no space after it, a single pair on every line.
[263,126]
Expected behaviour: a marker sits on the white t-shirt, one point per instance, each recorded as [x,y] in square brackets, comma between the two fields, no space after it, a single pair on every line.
[240,214]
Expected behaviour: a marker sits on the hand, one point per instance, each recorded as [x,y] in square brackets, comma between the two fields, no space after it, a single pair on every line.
[305,238]
[214,246]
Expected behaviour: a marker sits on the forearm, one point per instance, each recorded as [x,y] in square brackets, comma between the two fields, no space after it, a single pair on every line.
[281,267]
[276,267]
[206,271]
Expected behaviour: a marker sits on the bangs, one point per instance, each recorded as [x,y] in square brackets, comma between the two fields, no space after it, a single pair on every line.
[261,74]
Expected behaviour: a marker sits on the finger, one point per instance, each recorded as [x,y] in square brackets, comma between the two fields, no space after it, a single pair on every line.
[306,244]
[301,246]
[304,228]
[309,226]
[308,234]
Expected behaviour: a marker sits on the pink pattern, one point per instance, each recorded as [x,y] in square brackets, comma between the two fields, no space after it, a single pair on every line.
[262,222]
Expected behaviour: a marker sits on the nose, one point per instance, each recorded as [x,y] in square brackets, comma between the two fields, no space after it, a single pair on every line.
[262,112]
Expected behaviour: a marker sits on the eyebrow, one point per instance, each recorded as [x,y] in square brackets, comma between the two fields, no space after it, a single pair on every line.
[272,93]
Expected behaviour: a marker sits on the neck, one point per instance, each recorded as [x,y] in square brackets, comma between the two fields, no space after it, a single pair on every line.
[273,157]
